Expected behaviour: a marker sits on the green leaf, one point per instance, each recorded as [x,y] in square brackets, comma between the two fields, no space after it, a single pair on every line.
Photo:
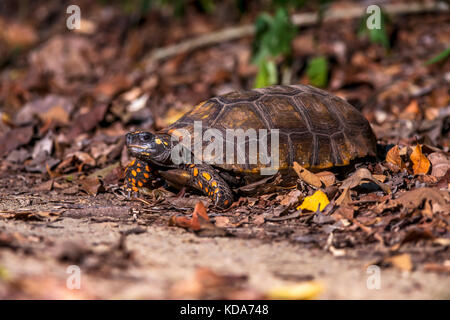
[208,6]
[439,57]
[317,71]
[273,39]
[267,74]
[273,36]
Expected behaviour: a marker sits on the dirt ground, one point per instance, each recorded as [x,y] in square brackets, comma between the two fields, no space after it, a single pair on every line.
[156,261]
[68,97]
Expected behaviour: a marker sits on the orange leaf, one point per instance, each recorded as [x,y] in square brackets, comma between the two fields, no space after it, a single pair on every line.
[199,218]
[198,215]
[411,111]
[393,156]
[421,164]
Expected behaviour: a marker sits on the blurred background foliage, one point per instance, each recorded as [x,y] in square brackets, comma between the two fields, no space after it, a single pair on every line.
[272,52]
[272,44]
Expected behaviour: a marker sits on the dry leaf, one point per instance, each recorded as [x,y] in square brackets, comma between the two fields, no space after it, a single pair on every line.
[307,176]
[206,282]
[362,175]
[17,35]
[56,113]
[380,177]
[427,179]
[29,215]
[91,185]
[328,178]
[199,222]
[222,222]
[344,198]
[438,268]
[438,200]
[421,164]
[402,262]
[440,162]
[393,157]
[411,111]
[345,212]
[45,186]
[291,198]
[198,216]
[15,138]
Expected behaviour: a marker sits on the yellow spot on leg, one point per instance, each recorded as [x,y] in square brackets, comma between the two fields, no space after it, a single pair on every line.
[146,175]
[140,184]
[195,172]
[206,175]
[133,173]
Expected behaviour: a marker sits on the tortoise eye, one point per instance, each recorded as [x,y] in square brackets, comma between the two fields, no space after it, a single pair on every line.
[146,136]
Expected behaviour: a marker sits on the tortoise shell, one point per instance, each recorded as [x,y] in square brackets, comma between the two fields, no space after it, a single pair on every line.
[316,129]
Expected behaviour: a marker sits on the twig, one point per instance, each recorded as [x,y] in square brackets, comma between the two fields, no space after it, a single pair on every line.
[296,214]
[299,19]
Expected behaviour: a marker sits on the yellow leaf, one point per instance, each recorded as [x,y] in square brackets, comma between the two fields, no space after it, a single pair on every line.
[421,164]
[300,291]
[317,200]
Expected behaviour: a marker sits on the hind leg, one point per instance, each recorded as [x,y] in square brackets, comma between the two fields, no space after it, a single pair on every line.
[203,178]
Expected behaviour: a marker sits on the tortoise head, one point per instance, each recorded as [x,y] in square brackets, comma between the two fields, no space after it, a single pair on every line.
[149,147]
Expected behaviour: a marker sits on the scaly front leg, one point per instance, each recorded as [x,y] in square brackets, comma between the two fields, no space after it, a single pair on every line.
[138,177]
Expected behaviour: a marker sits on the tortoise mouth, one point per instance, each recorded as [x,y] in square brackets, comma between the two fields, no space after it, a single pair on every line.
[130,146]
[138,151]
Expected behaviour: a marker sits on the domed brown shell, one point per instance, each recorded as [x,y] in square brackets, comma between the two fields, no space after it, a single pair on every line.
[316,128]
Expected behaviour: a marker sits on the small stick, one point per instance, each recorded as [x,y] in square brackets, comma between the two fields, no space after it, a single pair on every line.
[299,19]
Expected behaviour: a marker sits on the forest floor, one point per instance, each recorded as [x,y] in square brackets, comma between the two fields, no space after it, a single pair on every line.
[125,251]
[67,98]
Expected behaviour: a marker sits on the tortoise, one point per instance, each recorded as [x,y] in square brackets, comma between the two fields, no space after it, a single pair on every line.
[315,128]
